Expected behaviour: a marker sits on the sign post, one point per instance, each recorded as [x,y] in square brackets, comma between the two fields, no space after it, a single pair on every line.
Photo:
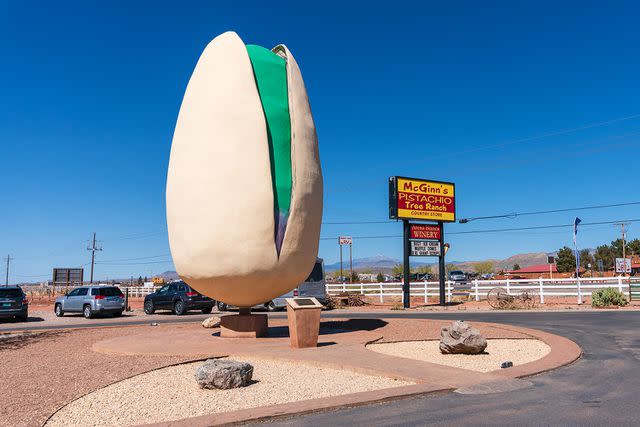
[441,266]
[406,287]
[346,240]
[419,199]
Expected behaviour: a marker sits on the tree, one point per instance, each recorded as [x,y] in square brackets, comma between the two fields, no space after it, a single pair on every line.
[616,247]
[140,281]
[397,270]
[586,258]
[424,269]
[354,277]
[380,277]
[483,267]
[633,247]
[605,254]
[516,267]
[565,260]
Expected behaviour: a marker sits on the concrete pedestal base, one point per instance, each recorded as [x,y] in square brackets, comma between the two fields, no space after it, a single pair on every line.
[304,326]
[244,326]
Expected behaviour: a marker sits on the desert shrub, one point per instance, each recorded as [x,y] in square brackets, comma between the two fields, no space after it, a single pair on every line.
[606,297]
[397,306]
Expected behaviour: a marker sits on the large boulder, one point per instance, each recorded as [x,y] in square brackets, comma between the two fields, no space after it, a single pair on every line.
[224,374]
[211,322]
[461,338]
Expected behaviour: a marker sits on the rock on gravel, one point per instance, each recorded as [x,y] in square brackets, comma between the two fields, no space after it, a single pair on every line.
[519,351]
[211,322]
[461,338]
[224,374]
[170,393]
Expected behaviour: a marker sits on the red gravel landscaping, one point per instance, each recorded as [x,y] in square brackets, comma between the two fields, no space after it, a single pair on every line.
[43,371]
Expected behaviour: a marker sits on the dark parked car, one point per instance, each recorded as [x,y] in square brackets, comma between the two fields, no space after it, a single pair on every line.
[178,297]
[13,303]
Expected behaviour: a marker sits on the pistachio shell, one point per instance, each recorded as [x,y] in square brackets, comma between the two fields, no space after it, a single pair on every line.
[220,204]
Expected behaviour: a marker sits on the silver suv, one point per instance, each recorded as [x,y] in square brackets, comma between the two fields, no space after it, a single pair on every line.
[91,300]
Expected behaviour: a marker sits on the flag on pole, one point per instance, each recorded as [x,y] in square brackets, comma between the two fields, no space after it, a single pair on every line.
[575,244]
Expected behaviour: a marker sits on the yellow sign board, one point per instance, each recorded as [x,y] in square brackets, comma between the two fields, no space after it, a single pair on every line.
[411,198]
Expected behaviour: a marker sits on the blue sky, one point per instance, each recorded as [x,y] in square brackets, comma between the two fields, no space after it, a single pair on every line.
[470,92]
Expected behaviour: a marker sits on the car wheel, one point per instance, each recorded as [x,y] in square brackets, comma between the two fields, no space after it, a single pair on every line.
[22,318]
[117,314]
[271,306]
[86,312]
[149,307]
[222,306]
[58,310]
[206,310]
[178,308]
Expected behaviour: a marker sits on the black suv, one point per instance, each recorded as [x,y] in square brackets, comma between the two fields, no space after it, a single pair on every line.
[178,297]
[13,303]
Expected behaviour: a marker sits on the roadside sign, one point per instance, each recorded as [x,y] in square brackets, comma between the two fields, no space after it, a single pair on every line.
[550,259]
[623,265]
[68,276]
[424,232]
[425,248]
[412,198]
[345,240]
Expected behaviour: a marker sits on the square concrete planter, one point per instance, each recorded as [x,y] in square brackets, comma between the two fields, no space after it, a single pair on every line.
[303,315]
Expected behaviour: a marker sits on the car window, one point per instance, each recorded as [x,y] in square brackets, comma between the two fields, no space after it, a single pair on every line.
[316,273]
[73,293]
[82,292]
[10,293]
[164,289]
[110,291]
[182,288]
[173,288]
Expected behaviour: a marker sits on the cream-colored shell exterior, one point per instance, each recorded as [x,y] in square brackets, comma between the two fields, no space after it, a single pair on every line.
[220,207]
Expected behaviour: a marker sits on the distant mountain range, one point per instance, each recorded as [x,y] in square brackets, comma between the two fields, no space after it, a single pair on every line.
[384,264]
[169,275]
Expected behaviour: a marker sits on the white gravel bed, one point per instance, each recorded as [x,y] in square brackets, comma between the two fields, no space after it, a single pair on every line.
[172,393]
[518,351]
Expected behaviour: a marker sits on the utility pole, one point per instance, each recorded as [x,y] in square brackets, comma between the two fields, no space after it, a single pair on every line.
[6,280]
[93,248]
[624,249]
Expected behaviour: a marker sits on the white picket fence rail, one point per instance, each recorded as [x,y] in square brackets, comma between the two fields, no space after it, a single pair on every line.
[478,289]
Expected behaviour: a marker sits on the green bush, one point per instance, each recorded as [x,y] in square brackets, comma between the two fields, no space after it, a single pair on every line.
[606,297]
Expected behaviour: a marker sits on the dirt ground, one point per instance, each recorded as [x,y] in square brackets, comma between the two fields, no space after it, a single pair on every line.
[44,370]
[417,303]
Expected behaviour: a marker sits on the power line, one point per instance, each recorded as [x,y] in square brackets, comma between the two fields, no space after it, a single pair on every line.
[132,259]
[516,214]
[534,138]
[134,263]
[498,230]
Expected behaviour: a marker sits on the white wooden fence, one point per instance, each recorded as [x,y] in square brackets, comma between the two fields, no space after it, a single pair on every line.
[478,289]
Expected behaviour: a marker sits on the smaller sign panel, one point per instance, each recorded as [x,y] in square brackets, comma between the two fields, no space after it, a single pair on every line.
[623,265]
[550,259]
[425,248]
[424,232]
[345,240]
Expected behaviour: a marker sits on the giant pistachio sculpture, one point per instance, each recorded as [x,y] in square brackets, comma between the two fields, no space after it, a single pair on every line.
[244,186]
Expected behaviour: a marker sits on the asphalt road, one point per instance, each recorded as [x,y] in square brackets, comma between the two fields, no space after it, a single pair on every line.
[602,388]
